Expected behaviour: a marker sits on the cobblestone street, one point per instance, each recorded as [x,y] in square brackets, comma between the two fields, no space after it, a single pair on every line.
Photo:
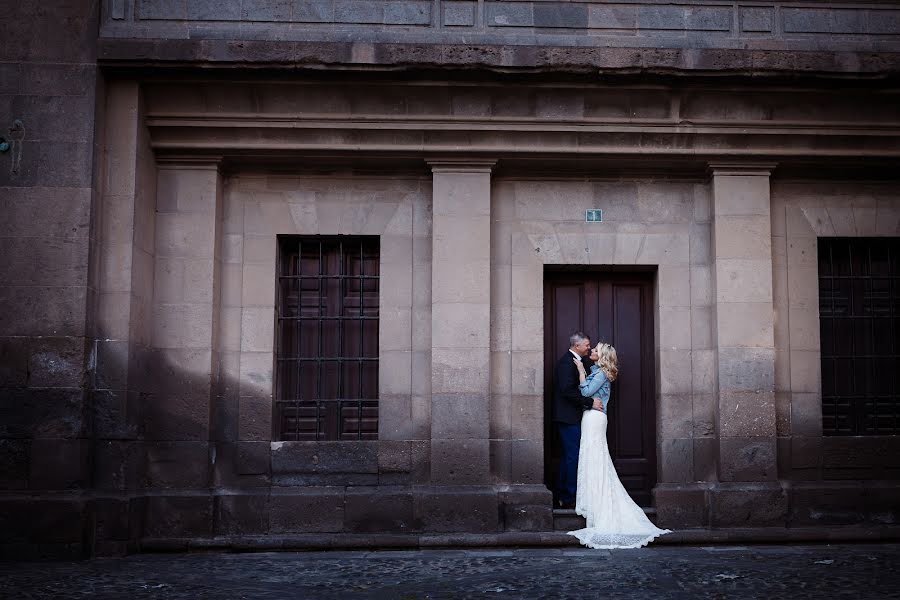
[832,571]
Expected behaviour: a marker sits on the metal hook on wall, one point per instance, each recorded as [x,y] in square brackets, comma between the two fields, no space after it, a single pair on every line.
[16,137]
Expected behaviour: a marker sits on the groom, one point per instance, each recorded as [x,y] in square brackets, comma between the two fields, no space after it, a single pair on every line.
[568,406]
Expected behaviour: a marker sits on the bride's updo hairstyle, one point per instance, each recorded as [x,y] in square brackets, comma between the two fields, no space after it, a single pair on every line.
[608,361]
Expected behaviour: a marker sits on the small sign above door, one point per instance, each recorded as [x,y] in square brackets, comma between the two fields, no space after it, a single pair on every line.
[593,215]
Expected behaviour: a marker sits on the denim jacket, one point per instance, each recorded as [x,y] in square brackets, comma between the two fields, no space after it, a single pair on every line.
[596,385]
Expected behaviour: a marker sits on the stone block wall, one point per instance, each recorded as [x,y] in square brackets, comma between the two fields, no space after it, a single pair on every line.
[776,24]
[657,223]
[858,474]
[258,209]
[138,281]
[190,453]
[48,80]
[126,384]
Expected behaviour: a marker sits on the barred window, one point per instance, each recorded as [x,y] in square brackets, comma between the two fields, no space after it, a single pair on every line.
[859,308]
[327,338]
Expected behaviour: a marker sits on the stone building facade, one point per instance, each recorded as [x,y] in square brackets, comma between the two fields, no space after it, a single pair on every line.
[173,152]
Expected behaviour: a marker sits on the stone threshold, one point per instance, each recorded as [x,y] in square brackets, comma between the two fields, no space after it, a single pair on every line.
[566,519]
[346,541]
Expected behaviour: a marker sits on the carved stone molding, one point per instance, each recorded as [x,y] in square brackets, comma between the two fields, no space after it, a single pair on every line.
[775,24]
[461,165]
[189,161]
[739,167]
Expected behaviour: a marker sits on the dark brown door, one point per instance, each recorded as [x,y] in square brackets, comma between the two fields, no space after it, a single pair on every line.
[614,307]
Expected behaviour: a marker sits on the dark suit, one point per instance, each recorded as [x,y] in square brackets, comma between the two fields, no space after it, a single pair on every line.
[568,403]
[568,407]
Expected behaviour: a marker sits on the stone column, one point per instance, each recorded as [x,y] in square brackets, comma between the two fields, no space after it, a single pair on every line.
[123,230]
[127,214]
[185,322]
[743,334]
[460,347]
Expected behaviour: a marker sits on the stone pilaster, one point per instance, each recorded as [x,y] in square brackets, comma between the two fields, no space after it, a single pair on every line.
[744,321]
[124,230]
[185,316]
[124,254]
[460,347]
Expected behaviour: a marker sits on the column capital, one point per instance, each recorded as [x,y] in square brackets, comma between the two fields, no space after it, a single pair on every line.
[189,161]
[461,165]
[741,167]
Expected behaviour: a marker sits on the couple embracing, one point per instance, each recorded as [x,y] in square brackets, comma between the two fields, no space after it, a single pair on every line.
[588,481]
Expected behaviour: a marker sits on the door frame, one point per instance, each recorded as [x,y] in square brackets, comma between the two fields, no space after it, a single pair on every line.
[638,274]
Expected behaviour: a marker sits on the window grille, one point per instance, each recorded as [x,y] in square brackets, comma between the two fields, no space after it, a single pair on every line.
[327,338]
[859,309]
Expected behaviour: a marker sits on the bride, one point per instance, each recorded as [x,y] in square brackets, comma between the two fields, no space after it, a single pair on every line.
[613,518]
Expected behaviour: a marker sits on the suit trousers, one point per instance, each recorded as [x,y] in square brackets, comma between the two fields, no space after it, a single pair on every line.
[570,437]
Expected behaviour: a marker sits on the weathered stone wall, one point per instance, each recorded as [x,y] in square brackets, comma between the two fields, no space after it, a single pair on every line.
[398,210]
[708,24]
[210,426]
[48,80]
[137,247]
[859,470]
[662,223]
[649,36]
[184,365]
[200,461]
[124,382]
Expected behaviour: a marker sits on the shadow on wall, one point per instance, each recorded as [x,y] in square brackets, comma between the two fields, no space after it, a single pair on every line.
[176,450]
[169,443]
[151,451]
[90,471]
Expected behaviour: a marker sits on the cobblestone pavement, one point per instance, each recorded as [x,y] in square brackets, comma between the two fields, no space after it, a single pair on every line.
[826,571]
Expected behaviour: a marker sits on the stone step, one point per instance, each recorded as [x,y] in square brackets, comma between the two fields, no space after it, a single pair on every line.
[565,519]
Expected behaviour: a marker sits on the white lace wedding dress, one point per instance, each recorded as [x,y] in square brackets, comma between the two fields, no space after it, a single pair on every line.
[613,518]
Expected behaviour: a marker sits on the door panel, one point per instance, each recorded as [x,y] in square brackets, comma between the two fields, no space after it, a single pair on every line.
[617,308]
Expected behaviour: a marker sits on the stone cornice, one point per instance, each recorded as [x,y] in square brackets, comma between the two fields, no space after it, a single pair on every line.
[741,168]
[462,164]
[439,119]
[423,138]
[190,161]
[748,60]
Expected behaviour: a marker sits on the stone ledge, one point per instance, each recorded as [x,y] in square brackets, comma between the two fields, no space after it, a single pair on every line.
[762,535]
[547,539]
[507,58]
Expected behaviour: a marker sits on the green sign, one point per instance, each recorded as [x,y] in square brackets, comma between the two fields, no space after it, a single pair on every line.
[593,215]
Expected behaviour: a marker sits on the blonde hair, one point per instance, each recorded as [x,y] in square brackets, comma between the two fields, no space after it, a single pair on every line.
[608,361]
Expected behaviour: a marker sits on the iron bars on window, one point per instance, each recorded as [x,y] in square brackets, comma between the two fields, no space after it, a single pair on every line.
[327,338]
[859,323]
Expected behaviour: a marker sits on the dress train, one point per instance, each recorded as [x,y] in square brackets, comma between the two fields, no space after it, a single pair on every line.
[613,518]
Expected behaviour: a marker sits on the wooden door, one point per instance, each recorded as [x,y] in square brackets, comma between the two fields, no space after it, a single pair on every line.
[615,307]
